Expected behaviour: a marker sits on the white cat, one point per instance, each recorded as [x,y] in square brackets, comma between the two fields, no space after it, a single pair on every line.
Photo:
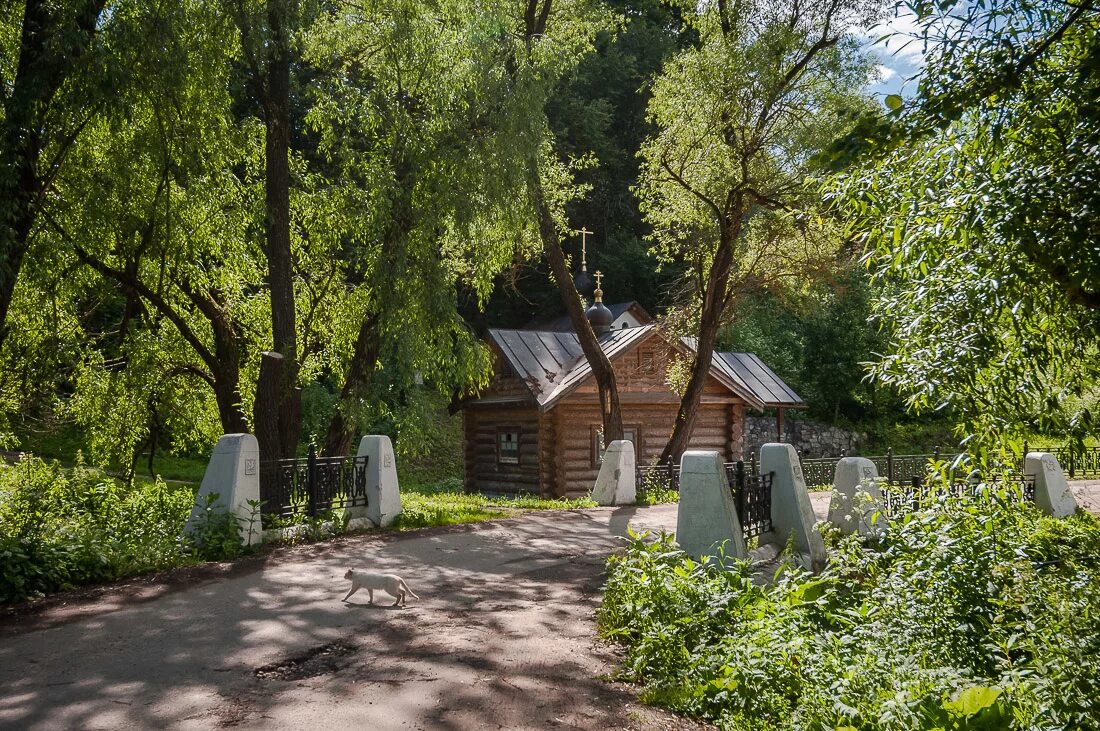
[389,583]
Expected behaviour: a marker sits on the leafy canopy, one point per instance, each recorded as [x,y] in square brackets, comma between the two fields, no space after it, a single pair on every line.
[978,205]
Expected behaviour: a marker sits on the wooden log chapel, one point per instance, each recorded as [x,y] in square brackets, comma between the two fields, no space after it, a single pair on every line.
[537,428]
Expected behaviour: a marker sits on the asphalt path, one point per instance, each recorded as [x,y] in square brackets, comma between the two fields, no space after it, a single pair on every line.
[503,636]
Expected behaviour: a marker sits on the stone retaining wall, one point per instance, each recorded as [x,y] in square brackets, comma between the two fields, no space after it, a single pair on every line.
[810,438]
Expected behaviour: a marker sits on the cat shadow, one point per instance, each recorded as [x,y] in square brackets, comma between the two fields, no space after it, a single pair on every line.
[376,605]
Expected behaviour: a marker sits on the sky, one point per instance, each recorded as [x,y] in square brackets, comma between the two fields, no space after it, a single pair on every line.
[900,58]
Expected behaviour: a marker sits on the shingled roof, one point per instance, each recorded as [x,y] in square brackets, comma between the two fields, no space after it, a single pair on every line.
[552,364]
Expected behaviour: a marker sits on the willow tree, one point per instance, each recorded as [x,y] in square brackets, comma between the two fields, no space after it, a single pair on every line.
[50,85]
[145,244]
[415,129]
[978,199]
[551,37]
[724,178]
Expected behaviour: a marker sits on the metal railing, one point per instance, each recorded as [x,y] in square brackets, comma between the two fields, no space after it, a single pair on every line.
[893,467]
[312,484]
[1083,462]
[918,493]
[1077,463]
[657,477]
[752,494]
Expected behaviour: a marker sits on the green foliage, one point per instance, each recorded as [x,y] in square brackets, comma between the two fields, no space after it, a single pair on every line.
[648,496]
[141,287]
[820,342]
[61,530]
[979,211]
[972,615]
[67,444]
[736,117]
[216,532]
[653,490]
[601,111]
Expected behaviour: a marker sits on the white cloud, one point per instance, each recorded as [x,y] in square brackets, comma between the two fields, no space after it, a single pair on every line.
[900,39]
[898,49]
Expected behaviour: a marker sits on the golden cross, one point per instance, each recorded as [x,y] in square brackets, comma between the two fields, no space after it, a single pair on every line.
[584,247]
[599,276]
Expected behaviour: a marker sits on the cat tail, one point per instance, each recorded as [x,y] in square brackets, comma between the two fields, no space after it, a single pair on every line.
[408,590]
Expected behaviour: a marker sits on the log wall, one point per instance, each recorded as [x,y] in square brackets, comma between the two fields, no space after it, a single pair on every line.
[575,468]
[556,447]
[483,472]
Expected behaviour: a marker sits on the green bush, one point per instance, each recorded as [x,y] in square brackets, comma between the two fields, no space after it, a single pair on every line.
[60,530]
[971,615]
[215,533]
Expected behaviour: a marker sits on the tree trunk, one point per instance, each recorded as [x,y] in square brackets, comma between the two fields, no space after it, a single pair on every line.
[535,18]
[48,52]
[265,411]
[360,372]
[228,396]
[714,302]
[227,378]
[597,359]
[278,413]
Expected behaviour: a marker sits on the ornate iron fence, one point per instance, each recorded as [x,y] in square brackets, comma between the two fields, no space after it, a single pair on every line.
[819,470]
[312,484]
[752,494]
[1083,463]
[1077,463]
[894,467]
[917,493]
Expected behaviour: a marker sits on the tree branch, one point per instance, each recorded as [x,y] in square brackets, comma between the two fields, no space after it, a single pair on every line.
[140,288]
[688,187]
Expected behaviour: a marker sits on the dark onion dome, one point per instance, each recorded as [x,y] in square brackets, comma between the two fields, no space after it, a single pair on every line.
[585,284]
[598,315]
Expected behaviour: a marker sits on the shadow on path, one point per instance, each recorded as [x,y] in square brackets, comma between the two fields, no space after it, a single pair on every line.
[503,636]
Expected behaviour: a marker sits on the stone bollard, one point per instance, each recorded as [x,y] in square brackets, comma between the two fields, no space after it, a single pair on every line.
[383,492]
[792,512]
[1052,493]
[856,497]
[616,483]
[233,474]
[706,519]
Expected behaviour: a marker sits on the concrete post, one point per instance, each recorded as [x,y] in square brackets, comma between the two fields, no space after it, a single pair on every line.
[1052,493]
[792,513]
[383,492]
[707,516]
[856,496]
[233,474]
[616,483]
